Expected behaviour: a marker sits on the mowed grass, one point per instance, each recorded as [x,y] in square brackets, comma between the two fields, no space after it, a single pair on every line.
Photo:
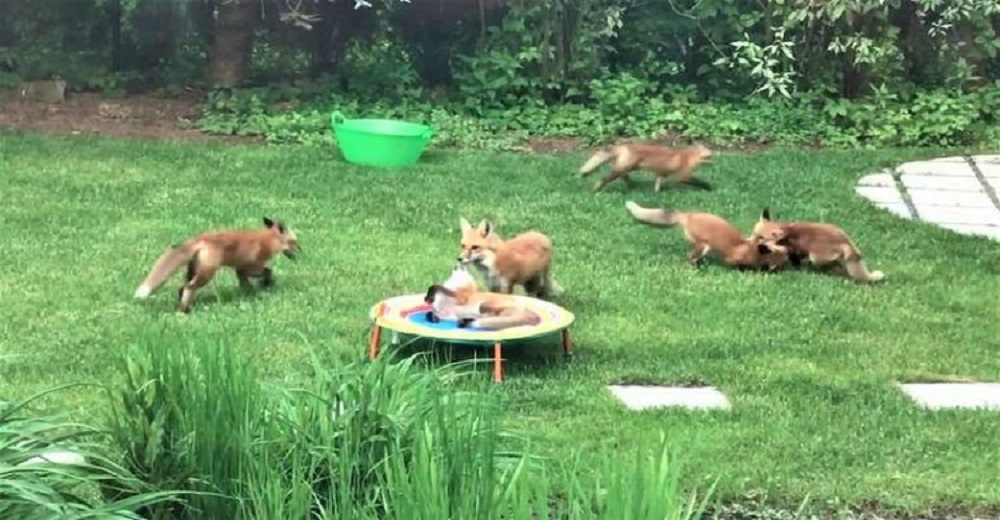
[808,360]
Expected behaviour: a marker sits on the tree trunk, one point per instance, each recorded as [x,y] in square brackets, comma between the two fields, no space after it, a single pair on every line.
[229,58]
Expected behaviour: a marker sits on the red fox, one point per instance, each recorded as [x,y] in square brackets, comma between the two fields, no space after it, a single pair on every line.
[710,233]
[248,252]
[661,160]
[524,260]
[821,243]
[459,298]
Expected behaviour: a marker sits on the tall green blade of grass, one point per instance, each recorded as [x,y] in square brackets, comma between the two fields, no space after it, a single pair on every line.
[51,468]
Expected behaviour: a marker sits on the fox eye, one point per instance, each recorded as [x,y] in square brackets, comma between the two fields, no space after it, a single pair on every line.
[475,248]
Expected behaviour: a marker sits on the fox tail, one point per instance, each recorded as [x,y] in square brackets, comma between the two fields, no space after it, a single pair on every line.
[599,158]
[653,216]
[168,263]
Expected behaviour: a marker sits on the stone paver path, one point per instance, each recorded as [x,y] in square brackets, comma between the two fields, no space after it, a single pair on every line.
[957,193]
[636,397]
[937,396]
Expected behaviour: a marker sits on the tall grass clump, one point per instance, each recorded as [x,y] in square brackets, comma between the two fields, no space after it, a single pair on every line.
[52,468]
[366,440]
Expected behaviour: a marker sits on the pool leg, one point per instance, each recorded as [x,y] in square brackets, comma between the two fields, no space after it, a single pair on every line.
[376,337]
[497,363]
[567,342]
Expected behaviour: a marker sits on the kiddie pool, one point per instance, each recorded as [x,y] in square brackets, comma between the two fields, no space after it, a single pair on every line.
[380,142]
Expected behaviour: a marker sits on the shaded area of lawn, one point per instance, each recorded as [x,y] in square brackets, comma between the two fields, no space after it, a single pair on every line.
[807,359]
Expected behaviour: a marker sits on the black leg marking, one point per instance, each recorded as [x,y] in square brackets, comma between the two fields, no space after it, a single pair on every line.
[267,278]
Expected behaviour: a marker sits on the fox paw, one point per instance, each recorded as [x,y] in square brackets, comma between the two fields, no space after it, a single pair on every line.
[464,323]
[431,317]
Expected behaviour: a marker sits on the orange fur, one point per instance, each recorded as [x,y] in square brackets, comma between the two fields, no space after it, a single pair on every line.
[248,252]
[821,243]
[661,160]
[524,260]
[708,233]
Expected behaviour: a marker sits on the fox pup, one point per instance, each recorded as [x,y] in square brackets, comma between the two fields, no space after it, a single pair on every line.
[661,160]
[708,233]
[459,298]
[524,260]
[821,243]
[248,252]
[445,298]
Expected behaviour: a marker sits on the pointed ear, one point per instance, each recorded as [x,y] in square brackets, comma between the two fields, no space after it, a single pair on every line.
[464,224]
[765,214]
[485,226]
[268,222]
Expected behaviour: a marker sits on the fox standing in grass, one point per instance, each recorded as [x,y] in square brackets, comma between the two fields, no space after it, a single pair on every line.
[710,233]
[523,260]
[661,160]
[459,298]
[246,251]
[821,243]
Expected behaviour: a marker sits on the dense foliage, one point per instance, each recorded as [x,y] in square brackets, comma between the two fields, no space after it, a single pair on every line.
[492,73]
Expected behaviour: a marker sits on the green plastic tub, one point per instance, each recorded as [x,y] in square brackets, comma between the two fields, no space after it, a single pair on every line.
[380,142]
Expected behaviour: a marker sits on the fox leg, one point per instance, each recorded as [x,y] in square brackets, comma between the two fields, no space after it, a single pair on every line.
[698,252]
[658,184]
[243,275]
[203,275]
[685,177]
[615,173]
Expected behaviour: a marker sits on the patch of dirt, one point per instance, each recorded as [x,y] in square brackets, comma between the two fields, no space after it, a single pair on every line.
[135,116]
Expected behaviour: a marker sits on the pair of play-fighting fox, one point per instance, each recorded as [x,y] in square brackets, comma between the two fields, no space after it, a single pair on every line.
[526,259]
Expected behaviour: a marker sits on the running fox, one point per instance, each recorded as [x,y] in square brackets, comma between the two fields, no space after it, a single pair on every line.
[710,233]
[523,260]
[821,243]
[661,160]
[459,298]
[248,252]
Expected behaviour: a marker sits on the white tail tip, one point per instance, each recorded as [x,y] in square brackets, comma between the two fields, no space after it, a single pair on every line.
[632,206]
[142,292]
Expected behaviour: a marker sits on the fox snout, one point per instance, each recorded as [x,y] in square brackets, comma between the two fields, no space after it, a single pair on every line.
[293,251]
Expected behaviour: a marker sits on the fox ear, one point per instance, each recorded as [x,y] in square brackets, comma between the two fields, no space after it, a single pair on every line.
[464,224]
[268,222]
[485,226]
[765,214]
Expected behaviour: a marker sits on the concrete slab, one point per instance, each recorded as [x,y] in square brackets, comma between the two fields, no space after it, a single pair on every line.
[954,158]
[936,182]
[937,168]
[957,215]
[973,229]
[646,397]
[900,209]
[878,179]
[937,396]
[989,169]
[985,159]
[879,193]
[965,199]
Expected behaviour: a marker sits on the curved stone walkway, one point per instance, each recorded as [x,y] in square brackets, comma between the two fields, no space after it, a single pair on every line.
[957,193]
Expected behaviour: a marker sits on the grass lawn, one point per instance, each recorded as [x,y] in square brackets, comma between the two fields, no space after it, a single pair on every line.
[808,360]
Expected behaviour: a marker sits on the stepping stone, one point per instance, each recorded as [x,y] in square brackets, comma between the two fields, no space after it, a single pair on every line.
[989,170]
[900,209]
[964,199]
[937,182]
[936,396]
[955,158]
[646,397]
[995,159]
[878,179]
[974,229]
[958,215]
[880,193]
[938,168]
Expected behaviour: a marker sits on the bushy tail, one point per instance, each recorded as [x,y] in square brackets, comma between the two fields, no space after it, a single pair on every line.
[858,270]
[503,321]
[653,216]
[168,263]
[595,160]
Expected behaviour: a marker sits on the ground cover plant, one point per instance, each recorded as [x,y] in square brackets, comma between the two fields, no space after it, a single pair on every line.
[807,359]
